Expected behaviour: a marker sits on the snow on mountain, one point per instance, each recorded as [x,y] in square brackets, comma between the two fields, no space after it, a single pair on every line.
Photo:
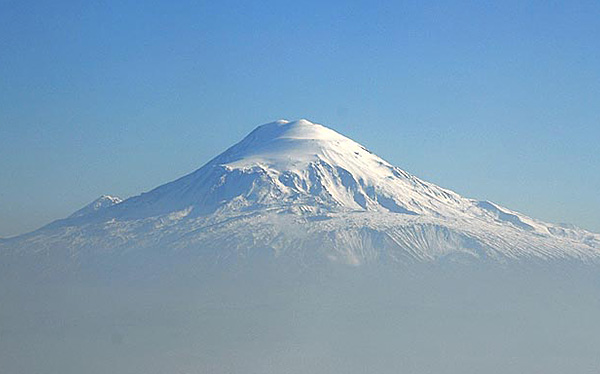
[303,190]
[102,202]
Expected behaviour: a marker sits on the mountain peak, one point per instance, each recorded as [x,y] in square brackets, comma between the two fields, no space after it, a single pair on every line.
[298,129]
[300,123]
[283,121]
[100,203]
[286,145]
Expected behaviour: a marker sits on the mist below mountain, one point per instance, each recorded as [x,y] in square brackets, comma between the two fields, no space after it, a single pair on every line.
[268,319]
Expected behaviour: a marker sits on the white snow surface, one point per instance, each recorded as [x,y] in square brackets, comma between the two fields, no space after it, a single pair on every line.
[303,190]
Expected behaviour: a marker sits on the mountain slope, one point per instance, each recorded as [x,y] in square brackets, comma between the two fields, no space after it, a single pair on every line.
[302,190]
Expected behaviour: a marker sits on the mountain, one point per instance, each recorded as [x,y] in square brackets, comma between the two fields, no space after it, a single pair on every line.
[302,191]
[102,202]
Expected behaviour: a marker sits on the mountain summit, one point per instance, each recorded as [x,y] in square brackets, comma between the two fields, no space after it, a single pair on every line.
[302,190]
[298,167]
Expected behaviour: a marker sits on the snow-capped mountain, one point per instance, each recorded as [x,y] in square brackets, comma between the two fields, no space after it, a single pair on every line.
[102,202]
[302,190]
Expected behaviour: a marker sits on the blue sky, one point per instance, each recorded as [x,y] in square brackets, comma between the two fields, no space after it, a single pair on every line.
[495,100]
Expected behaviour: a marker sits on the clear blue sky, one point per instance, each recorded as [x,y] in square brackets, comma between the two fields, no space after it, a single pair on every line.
[495,100]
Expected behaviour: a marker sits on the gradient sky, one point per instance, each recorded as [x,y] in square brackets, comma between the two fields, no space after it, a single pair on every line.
[495,100]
